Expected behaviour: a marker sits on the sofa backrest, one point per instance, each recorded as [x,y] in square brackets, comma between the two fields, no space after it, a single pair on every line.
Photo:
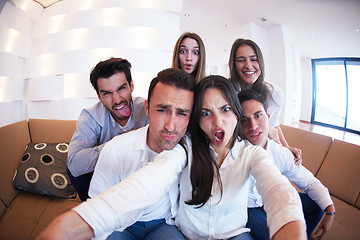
[51,131]
[340,171]
[314,146]
[13,140]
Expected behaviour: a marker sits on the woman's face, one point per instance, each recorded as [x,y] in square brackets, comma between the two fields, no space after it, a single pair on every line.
[247,66]
[189,55]
[217,119]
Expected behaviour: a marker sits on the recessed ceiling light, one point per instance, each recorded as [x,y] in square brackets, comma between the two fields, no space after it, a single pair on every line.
[264,19]
[357,30]
[187,14]
[227,25]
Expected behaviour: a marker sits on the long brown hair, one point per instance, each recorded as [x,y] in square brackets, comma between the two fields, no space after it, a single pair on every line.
[204,167]
[260,86]
[199,72]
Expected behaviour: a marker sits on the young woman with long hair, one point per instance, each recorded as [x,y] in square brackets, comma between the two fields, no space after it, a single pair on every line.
[189,55]
[247,72]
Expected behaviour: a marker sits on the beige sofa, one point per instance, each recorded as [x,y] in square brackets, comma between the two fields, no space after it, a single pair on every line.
[337,165]
[24,215]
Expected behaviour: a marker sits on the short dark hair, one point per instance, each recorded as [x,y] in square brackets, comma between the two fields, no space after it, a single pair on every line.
[107,68]
[247,95]
[172,77]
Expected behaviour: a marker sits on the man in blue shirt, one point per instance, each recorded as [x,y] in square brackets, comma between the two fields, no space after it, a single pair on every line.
[115,113]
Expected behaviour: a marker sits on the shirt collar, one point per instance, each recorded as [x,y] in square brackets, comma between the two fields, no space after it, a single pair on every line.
[140,143]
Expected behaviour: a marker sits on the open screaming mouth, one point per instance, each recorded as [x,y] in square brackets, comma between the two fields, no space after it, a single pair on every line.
[219,135]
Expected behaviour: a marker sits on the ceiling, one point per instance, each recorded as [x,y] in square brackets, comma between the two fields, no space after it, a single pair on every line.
[318,28]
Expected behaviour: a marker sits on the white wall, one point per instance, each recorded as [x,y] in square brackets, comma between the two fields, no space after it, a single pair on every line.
[15,46]
[47,54]
[282,60]
[307,90]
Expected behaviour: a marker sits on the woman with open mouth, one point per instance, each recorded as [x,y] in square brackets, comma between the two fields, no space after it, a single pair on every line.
[214,184]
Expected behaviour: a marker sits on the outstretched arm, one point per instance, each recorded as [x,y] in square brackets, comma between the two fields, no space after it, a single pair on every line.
[292,230]
[282,203]
[67,226]
[122,204]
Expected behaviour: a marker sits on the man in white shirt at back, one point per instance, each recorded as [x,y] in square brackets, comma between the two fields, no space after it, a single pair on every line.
[255,124]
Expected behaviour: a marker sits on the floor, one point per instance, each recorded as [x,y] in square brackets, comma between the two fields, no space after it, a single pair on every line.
[334,133]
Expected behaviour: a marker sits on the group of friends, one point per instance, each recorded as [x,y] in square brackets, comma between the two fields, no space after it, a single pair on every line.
[203,157]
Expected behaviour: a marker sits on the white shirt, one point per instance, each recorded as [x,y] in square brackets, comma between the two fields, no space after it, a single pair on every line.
[226,216]
[122,156]
[119,205]
[299,175]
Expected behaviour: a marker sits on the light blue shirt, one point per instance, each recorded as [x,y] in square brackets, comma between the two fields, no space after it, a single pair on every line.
[94,128]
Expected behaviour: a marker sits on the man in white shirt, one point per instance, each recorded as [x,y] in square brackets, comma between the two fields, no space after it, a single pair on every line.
[115,113]
[168,107]
[255,124]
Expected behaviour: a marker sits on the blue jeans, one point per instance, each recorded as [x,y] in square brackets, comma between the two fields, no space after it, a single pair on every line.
[243,236]
[81,184]
[257,218]
[152,230]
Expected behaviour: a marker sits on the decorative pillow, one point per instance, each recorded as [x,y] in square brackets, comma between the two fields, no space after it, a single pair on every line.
[42,169]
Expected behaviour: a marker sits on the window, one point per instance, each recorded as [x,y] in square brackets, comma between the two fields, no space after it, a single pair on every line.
[336,96]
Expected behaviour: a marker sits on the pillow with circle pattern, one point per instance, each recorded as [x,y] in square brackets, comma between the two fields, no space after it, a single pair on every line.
[42,169]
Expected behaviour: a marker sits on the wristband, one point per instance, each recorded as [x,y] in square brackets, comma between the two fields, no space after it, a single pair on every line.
[330,213]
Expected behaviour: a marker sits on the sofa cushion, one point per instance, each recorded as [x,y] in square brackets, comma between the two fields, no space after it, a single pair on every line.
[346,222]
[357,203]
[14,137]
[42,169]
[340,171]
[314,146]
[2,209]
[29,214]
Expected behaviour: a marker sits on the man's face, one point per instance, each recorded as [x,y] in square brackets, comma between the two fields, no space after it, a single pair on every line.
[115,94]
[255,122]
[169,113]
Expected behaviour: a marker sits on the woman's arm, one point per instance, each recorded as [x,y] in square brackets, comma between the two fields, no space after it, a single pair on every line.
[295,151]
[282,203]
